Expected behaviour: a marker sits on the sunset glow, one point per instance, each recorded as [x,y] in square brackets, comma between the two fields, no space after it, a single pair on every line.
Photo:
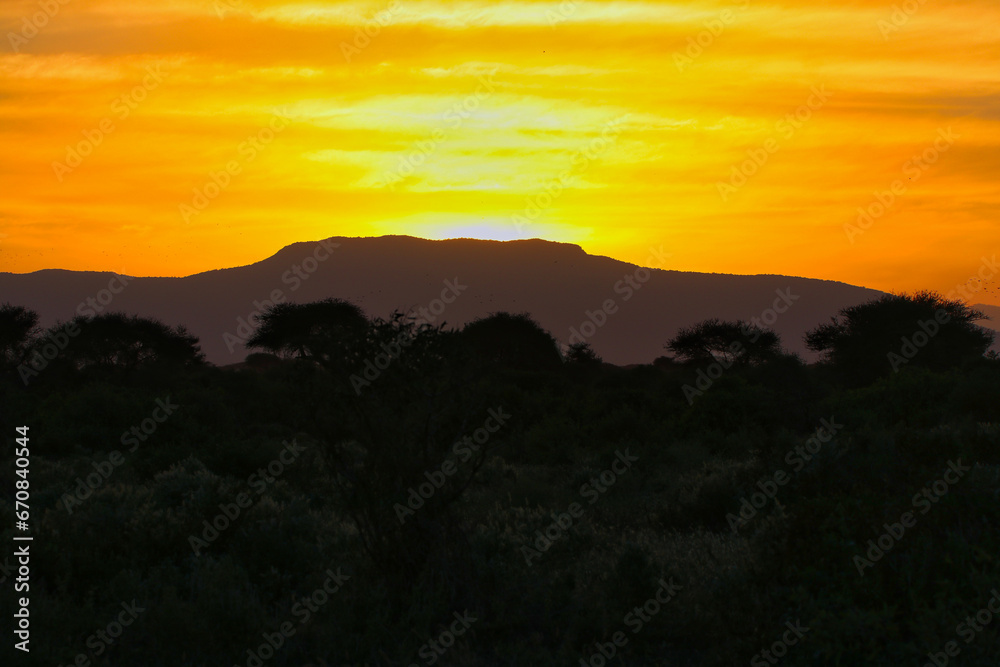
[179,136]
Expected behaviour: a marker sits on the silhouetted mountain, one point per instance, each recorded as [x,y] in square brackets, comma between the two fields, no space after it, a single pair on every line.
[557,283]
[993,312]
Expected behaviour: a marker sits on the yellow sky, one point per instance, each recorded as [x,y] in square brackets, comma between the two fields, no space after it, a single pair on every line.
[175,136]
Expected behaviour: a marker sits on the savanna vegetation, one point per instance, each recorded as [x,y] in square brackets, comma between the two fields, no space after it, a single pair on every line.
[481,496]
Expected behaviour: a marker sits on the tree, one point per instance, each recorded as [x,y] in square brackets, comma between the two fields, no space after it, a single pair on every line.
[582,353]
[327,331]
[18,329]
[116,340]
[262,360]
[411,405]
[882,335]
[515,341]
[737,342]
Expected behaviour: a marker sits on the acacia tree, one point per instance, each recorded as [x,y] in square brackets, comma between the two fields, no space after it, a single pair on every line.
[735,342]
[400,422]
[882,335]
[327,331]
[512,340]
[401,397]
[117,340]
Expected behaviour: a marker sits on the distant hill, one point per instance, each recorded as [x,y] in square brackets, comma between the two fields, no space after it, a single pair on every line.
[993,312]
[557,283]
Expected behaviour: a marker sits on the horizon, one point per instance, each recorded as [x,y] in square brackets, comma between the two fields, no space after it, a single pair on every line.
[569,292]
[983,295]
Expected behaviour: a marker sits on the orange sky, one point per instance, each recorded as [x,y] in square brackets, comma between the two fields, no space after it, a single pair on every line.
[615,125]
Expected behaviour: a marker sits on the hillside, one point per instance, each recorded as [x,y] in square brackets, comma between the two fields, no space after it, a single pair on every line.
[558,283]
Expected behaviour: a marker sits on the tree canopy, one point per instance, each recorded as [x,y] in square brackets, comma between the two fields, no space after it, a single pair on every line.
[514,340]
[128,341]
[882,335]
[736,342]
[18,327]
[326,331]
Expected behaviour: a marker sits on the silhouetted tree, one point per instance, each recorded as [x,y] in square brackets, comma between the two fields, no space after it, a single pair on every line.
[409,406]
[515,341]
[737,342]
[116,340]
[665,362]
[327,332]
[18,329]
[882,335]
[582,353]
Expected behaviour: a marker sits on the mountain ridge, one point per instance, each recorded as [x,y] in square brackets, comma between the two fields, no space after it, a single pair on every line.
[632,310]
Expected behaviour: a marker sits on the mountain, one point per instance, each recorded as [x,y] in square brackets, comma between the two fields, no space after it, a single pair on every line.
[625,312]
[993,312]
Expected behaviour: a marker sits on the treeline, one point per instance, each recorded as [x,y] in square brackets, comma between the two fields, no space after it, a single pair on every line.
[861,343]
[489,473]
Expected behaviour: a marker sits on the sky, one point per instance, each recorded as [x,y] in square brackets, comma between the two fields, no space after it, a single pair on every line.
[853,141]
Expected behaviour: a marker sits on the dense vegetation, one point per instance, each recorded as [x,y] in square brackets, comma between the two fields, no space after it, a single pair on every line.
[481,497]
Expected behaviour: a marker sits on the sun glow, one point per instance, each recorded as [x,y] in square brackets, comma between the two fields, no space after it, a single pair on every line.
[490,120]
